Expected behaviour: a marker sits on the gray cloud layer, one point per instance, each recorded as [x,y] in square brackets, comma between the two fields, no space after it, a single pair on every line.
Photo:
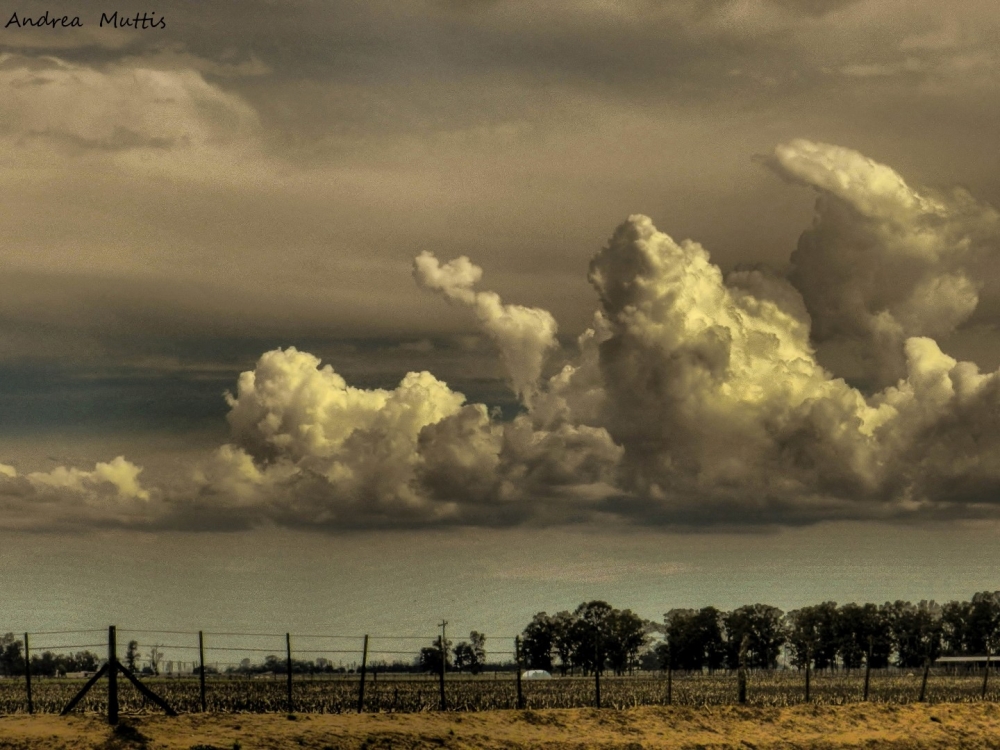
[695,398]
[248,133]
[267,172]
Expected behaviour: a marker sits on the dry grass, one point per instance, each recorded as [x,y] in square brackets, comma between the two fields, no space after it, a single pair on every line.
[948,725]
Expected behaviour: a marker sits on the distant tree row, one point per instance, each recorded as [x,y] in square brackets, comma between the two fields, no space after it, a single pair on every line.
[596,635]
[278,665]
[466,655]
[47,664]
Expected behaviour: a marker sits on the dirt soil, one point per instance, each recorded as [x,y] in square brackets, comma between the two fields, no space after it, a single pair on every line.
[869,726]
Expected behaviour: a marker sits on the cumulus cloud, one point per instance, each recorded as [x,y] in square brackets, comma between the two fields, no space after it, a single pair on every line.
[695,398]
[882,261]
[308,449]
[524,335]
[110,495]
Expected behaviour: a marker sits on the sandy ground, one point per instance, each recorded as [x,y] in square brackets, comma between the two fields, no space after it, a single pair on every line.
[854,726]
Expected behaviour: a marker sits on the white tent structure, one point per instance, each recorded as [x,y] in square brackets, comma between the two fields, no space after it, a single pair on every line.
[535,674]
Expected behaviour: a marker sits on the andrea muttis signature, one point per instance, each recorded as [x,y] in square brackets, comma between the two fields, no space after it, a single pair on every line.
[114,20]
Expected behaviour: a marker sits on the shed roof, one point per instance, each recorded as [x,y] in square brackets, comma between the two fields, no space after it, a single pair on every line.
[959,659]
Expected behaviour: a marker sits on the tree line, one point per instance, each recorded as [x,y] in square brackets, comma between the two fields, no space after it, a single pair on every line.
[597,636]
[466,655]
[47,663]
[823,636]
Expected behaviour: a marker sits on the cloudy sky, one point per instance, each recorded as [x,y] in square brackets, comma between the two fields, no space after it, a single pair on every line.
[698,269]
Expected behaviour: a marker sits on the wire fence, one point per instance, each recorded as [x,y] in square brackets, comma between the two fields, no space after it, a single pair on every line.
[162,652]
[234,671]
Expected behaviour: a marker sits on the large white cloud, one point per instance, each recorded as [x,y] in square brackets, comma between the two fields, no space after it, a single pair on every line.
[695,398]
[882,261]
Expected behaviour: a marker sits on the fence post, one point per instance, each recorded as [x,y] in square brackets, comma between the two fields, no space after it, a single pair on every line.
[868,666]
[201,670]
[364,668]
[288,667]
[741,686]
[112,675]
[923,683]
[444,663]
[986,675]
[597,668]
[809,655]
[517,663]
[27,674]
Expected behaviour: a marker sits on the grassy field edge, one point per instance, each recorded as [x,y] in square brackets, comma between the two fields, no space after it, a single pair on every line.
[943,725]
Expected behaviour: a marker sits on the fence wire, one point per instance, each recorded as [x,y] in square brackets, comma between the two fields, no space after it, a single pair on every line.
[331,672]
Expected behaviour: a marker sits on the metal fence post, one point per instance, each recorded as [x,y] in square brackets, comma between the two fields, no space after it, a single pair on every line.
[517,662]
[741,675]
[201,669]
[444,663]
[808,669]
[112,675]
[986,674]
[364,668]
[868,666]
[597,668]
[27,673]
[288,662]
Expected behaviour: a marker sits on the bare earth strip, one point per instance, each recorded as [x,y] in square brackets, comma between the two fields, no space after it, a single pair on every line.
[946,725]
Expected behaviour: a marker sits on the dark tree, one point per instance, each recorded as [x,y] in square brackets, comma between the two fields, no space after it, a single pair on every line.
[812,631]
[954,627]
[11,655]
[155,657]
[132,655]
[588,635]
[84,661]
[917,630]
[538,642]
[430,656]
[462,656]
[478,643]
[562,639]
[763,626]
[694,639]
[625,635]
[856,627]
[471,654]
[46,665]
[655,658]
[983,622]
[971,627]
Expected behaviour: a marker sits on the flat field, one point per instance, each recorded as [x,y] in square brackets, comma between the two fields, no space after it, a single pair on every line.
[945,725]
[417,693]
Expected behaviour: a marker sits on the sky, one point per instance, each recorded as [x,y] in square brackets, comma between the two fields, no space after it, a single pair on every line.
[636,289]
